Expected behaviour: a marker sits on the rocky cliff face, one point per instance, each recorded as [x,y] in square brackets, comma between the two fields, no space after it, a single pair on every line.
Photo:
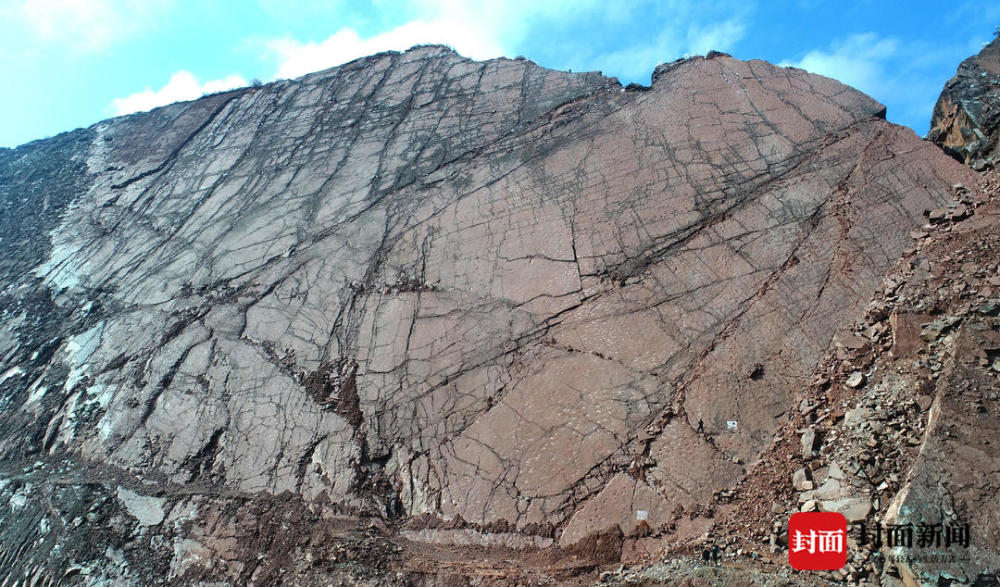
[966,120]
[471,303]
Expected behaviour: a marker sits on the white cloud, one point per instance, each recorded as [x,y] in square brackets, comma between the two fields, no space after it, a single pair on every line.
[482,30]
[720,36]
[906,76]
[296,58]
[182,86]
[91,24]
[478,30]
[859,61]
[636,62]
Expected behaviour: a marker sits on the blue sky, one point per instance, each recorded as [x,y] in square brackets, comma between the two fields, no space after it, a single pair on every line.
[70,63]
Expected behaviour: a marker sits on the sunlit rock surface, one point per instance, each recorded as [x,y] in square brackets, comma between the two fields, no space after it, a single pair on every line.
[417,284]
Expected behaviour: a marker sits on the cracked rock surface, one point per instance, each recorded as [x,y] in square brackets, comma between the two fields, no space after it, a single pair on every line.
[488,302]
[912,446]
[966,120]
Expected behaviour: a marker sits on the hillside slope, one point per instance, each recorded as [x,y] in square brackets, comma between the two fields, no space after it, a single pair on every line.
[469,303]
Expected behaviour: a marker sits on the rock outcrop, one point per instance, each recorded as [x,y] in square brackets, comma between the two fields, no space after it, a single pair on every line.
[487,303]
[966,120]
[911,449]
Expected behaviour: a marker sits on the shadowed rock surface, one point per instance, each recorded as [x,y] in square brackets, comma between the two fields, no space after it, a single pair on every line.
[966,120]
[289,333]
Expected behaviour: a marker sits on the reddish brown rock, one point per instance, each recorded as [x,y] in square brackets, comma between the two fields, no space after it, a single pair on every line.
[488,293]
[906,329]
[602,547]
[626,503]
[954,478]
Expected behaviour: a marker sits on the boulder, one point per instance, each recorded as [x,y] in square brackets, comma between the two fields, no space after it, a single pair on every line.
[855,509]
[801,479]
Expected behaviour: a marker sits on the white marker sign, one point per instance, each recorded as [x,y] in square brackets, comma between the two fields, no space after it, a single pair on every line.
[731,424]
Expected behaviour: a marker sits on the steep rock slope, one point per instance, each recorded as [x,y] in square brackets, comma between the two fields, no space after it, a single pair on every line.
[487,293]
[966,120]
[897,429]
